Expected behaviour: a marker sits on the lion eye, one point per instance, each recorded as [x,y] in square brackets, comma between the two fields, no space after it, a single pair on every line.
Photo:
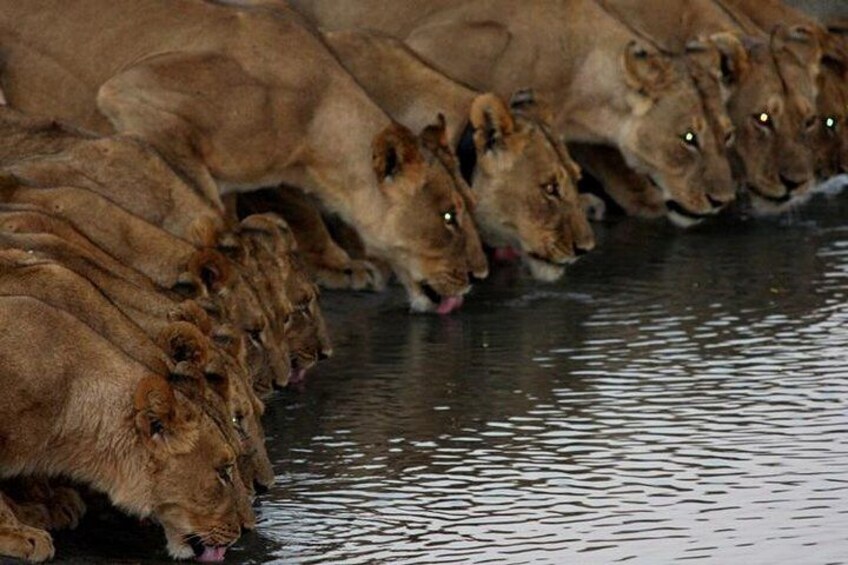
[255,336]
[450,218]
[690,138]
[551,188]
[831,123]
[225,474]
[238,423]
[763,119]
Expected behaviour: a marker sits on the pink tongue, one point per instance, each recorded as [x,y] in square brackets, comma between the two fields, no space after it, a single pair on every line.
[506,254]
[297,377]
[212,554]
[450,304]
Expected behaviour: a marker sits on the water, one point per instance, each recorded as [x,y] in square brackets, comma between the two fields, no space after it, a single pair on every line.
[680,396]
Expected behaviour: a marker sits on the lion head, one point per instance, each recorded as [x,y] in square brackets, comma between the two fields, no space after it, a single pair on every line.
[271,245]
[426,232]
[772,105]
[196,492]
[832,135]
[228,296]
[671,138]
[524,184]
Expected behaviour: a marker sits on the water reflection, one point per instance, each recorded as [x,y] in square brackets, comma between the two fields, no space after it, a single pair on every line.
[677,397]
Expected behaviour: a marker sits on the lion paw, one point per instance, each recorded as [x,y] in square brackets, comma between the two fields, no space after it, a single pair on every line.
[356,275]
[26,543]
[594,207]
[66,509]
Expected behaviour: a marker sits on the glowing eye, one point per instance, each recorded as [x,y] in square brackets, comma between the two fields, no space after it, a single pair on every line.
[690,138]
[830,123]
[764,118]
[449,217]
[551,188]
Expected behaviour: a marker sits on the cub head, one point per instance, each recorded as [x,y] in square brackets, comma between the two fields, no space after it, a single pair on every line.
[231,299]
[271,245]
[195,490]
[425,232]
[668,136]
[524,184]
[772,105]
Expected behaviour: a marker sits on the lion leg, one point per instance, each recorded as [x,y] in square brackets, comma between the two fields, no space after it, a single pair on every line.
[48,504]
[629,190]
[19,540]
[330,265]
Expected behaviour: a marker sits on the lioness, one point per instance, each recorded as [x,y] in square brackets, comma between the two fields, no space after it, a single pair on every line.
[263,355]
[770,82]
[138,321]
[153,451]
[124,170]
[226,116]
[832,101]
[610,87]
[522,179]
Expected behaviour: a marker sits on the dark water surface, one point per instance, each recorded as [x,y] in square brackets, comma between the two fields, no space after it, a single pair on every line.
[680,396]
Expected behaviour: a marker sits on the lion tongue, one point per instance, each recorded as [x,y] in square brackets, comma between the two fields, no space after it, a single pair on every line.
[449,304]
[297,376]
[212,554]
[506,254]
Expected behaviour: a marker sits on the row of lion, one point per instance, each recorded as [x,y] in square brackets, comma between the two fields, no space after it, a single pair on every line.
[387,139]
[399,138]
[144,330]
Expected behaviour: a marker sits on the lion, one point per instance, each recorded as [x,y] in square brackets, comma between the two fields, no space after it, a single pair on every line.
[522,180]
[230,120]
[770,85]
[832,69]
[265,356]
[271,243]
[151,448]
[126,171]
[611,86]
[138,322]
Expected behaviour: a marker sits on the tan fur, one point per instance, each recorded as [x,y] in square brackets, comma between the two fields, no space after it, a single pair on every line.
[123,170]
[776,75]
[140,441]
[609,85]
[227,118]
[831,65]
[516,157]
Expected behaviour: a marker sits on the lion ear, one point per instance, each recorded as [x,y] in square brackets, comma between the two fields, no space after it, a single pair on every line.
[801,42]
[154,407]
[734,57]
[435,135]
[394,153]
[645,69]
[211,268]
[492,122]
[183,341]
[188,286]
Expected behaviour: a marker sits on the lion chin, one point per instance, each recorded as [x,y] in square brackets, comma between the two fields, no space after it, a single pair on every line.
[544,271]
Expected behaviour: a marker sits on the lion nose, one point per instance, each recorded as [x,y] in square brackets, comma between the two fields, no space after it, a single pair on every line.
[791,185]
[259,488]
[715,202]
[474,278]
[325,354]
[580,251]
